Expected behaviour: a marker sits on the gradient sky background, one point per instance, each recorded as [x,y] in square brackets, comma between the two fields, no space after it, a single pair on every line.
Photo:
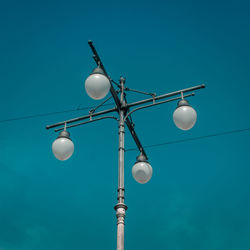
[199,195]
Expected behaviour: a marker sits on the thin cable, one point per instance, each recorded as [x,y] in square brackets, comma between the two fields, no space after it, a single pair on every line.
[92,111]
[192,139]
[47,114]
[140,92]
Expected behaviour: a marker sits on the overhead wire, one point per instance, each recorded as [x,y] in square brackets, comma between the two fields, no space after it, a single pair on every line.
[48,114]
[192,139]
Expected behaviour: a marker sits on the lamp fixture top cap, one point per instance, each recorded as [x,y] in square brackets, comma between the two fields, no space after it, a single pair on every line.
[64,134]
[97,70]
[141,158]
[183,102]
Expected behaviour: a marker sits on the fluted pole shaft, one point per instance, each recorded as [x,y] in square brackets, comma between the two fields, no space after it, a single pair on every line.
[121,207]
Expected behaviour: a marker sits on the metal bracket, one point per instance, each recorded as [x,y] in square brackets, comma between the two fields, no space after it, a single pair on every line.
[153,96]
[90,114]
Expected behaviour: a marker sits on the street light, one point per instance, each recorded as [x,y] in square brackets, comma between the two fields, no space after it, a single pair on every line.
[184,116]
[97,85]
[142,170]
[63,147]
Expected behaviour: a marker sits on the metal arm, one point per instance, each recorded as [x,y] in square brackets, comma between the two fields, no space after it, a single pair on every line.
[81,118]
[157,103]
[90,121]
[166,95]
[136,139]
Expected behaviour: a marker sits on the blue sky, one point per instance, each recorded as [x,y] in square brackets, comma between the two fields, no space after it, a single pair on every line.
[198,197]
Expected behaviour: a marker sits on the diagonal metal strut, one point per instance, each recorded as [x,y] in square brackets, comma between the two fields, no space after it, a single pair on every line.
[116,98]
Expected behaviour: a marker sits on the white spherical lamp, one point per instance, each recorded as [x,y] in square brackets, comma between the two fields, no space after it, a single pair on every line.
[63,146]
[184,116]
[97,85]
[142,171]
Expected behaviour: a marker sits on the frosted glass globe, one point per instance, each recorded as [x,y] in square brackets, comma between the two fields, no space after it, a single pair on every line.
[97,86]
[184,117]
[142,172]
[62,148]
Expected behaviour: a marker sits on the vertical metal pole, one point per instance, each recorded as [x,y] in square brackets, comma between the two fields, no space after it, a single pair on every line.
[121,207]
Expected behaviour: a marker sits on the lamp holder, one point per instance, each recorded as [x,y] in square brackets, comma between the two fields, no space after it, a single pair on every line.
[98,70]
[183,102]
[141,158]
[64,134]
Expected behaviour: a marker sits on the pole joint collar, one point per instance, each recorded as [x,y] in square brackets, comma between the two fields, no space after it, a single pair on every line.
[120,205]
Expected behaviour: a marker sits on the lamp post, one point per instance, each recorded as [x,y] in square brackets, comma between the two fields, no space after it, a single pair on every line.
[97,86]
